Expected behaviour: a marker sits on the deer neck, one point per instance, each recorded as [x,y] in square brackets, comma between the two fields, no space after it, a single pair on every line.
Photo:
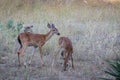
[48,35]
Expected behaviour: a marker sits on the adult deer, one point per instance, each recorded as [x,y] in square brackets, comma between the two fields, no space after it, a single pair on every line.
[66,50]
[36,40]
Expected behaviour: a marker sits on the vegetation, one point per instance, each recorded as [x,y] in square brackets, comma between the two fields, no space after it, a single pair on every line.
[114,69]
[92,26]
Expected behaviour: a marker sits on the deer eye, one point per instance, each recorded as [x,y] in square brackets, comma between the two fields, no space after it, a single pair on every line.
[53,30]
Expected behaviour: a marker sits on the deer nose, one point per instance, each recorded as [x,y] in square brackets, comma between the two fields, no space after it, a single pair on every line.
[58,33]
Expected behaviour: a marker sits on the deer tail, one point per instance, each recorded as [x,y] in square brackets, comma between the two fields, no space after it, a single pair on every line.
[19,41]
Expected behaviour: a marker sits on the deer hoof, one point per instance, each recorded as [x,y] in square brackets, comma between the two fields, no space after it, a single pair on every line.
[25,65]
[29,62]
[43,64]
[19,65]
[64,69]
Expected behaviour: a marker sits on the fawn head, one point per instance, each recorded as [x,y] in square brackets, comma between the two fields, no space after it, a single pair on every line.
[28,29]
[53,29]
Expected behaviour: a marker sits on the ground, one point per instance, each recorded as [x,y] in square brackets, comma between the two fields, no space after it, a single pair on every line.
[92,26]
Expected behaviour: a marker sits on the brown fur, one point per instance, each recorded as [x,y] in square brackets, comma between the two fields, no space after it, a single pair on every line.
[66,49]
[37,40]
[66,44]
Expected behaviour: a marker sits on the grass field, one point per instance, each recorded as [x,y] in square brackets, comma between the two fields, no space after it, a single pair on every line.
[93,27]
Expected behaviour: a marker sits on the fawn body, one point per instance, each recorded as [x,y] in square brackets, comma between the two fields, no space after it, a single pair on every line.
[66,50]
[36,40]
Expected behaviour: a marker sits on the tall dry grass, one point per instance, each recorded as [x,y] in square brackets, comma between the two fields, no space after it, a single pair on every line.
[93,28]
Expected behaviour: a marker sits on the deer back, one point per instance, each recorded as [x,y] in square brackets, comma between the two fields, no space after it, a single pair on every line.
[32,39]
[65,42]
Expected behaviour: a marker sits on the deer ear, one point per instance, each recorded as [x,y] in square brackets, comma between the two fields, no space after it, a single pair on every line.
[26,27]
[31,26]
[53,25]
[48,25]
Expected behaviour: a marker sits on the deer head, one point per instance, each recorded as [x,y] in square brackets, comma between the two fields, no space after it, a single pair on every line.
[53,29]
[28,29]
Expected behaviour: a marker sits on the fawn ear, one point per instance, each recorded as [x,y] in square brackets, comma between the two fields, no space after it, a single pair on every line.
[53,26]
[31,26]
[26,27]
[48,25]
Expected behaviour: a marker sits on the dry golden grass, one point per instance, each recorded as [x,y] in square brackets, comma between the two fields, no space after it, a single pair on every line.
[94,29]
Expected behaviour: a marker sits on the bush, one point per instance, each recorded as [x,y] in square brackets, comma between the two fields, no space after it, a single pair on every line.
[114,69]
[10,24]
[11,27]
[19,26]
[1,26]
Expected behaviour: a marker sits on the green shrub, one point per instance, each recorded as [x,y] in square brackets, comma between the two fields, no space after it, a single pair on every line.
[15,29]
[114,69]
[10,24]
[19,26]
[1,26]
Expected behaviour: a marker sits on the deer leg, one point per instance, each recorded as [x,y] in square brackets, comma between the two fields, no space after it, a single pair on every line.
[32,55]
[61,51]
[62,57]
[19,53]
[18,58]
[66,61]
[72,61]
[22,54]
[42,61]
